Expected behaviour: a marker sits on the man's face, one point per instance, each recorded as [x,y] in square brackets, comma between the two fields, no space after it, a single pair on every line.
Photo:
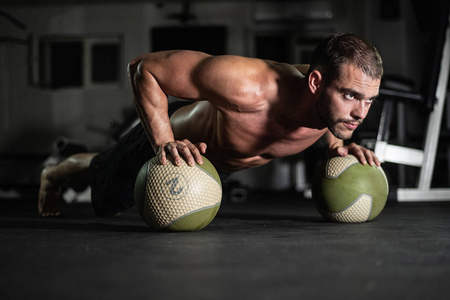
[345,102]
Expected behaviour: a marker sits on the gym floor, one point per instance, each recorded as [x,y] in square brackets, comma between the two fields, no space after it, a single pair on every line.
[275,246]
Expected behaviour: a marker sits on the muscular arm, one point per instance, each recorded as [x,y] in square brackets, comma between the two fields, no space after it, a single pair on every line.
[192,76]
[153,77]
[336,148]
[332,141]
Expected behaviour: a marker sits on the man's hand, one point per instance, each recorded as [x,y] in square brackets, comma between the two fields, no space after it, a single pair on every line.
[364,155]
[192,153]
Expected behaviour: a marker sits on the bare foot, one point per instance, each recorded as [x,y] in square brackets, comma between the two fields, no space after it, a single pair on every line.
[49,204]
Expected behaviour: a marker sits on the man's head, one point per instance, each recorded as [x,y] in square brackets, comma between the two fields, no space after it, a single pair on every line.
[345,75]
[339,49]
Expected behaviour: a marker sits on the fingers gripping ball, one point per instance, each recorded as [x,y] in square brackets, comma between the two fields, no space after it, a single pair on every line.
[346,191]
[178,198]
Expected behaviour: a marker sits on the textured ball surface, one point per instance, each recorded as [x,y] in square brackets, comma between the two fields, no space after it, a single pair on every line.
[178,198]
[346,191]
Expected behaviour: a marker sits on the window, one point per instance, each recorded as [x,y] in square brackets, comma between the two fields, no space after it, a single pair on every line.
[76,62]
[65,67]
[105,63]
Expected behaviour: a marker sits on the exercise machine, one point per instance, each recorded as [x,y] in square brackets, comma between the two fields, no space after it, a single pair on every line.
[432,98]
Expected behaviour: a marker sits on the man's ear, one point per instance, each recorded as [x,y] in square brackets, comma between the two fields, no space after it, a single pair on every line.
[315,82]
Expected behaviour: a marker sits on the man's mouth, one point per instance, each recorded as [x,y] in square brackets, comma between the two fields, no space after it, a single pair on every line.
[351,125]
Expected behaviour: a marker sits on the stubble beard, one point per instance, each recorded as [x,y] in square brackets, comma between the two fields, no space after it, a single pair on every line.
[338,133]
[333,123]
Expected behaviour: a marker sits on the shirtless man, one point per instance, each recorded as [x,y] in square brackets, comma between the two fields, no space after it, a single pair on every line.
[242,113]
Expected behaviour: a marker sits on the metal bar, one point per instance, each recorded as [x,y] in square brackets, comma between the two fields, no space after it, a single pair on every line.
[385,120]
[398,154]
[418,195]
[401,95]
[435,119]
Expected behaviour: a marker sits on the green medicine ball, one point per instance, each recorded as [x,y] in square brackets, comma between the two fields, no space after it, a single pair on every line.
[178,198]
[346,191]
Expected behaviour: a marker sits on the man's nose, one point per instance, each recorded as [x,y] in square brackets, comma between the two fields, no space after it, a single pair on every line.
[359,111]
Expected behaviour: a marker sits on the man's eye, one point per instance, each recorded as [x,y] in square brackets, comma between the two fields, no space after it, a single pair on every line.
[349,96]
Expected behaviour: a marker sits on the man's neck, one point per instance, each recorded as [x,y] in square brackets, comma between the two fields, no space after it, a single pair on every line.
[302,111]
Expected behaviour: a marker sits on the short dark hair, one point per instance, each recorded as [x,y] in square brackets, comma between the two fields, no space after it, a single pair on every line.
[338,49]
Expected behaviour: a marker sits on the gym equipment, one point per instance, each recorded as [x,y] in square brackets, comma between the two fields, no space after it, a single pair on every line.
[346,191]
[432,98]
[178,198]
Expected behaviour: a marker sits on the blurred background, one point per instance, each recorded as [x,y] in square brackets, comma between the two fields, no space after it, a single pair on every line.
[64,87]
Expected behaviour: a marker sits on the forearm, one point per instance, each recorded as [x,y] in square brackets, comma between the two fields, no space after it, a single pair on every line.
[151,104]
[332,141]
[336,148]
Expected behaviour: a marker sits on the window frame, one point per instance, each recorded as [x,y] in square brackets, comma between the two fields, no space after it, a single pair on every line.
[40,60]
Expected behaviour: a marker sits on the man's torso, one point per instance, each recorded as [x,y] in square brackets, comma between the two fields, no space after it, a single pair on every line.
[239,140]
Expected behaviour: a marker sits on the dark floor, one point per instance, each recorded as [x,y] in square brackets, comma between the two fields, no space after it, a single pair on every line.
[274,247]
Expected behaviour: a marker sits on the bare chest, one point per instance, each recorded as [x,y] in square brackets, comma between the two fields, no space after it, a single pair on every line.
[239,140]
[255,134]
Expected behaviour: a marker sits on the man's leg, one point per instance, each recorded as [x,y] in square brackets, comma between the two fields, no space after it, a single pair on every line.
[111,174]
[73,171]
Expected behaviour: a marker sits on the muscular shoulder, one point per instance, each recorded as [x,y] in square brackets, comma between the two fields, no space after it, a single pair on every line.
[242,82]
